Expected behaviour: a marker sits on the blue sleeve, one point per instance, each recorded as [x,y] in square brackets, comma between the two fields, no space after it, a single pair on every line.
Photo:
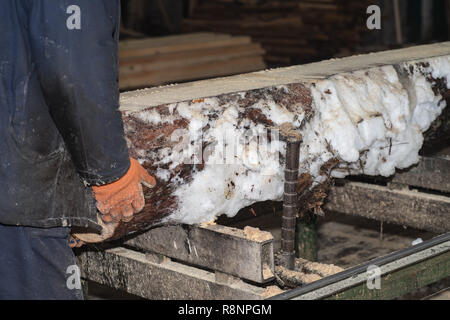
[75,48]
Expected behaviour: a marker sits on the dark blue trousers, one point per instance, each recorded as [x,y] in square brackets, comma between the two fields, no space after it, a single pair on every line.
[37,263]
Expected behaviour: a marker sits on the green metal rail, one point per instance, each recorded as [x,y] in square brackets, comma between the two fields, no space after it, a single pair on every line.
[398,273]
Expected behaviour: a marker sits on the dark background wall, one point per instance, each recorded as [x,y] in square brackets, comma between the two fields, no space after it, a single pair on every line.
[294,31]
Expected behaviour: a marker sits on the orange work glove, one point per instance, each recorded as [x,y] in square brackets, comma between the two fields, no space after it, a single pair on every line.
[123,198]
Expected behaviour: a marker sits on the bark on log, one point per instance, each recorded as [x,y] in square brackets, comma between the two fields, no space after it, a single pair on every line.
[362,114]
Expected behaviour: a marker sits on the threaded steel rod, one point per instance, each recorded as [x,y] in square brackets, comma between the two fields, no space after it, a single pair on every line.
[287,256]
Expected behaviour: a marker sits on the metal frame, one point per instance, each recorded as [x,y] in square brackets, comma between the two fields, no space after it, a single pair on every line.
[421,261]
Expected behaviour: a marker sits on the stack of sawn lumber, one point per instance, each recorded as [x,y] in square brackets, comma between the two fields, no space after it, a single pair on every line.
[291,31]
[155,61]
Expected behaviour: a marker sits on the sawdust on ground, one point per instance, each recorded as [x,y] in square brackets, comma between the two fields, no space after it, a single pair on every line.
[255,234]
[271,291]
[322,269]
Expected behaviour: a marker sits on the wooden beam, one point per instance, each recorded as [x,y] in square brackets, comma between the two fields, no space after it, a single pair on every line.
[247,253]
[155,61]
[195,37]
[430,173]
[404,207]
[187,58]
[170,48]
[201,70]
[131,271]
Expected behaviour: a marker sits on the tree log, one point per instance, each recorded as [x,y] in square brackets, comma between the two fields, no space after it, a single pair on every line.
[357,115]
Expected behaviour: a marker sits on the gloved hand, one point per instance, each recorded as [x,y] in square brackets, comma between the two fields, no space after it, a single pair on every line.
[117,201]
[79,239]
[121,199]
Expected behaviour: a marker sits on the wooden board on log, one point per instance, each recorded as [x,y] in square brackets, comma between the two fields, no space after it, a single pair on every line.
[136,101]
[246,254]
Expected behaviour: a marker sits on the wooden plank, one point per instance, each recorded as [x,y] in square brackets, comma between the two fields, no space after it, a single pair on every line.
[229,250]
[136,52]
[292,21]
[204,70]
[171,40]
[284,41]
[188,58]
[431,173]
[405,207]
[131,271]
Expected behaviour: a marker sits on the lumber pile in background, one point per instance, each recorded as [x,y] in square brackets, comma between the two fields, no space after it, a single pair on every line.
[155,61]
[291,31]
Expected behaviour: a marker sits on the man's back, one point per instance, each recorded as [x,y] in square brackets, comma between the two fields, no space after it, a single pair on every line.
[63,153]
[58,98]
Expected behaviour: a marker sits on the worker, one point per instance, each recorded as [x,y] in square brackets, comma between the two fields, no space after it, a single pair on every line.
[63,154]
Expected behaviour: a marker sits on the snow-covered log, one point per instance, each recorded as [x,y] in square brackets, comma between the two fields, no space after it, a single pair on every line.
[214,145]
